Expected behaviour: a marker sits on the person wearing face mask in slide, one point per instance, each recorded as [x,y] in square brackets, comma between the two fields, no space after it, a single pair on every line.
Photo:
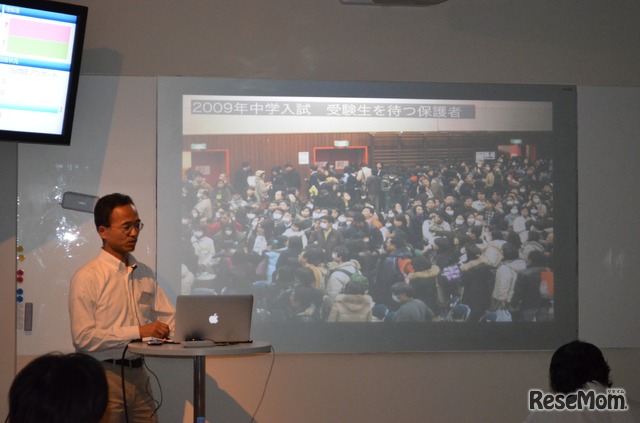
[520,223]
[295,229]
[459,226]
[387,228]
[411,309]
[316,215]
[434,226]
[277,216]
[471,219]
[536,204]
[204,206]
[497,216]
[282,222]
[367,237]
[340,223]
[514,211]
[228,236]
[449,213]
[204,248]
[325,237]
[341,269]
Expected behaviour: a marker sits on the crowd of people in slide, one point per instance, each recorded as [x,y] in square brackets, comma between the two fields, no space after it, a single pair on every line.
[455,241]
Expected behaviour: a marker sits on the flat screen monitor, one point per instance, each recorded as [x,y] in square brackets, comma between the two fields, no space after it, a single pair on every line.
[468,169]
[40,51]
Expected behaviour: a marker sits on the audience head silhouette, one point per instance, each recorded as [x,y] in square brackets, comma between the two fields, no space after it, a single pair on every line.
[59,388]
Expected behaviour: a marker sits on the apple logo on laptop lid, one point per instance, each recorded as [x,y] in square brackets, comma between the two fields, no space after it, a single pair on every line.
[214,319]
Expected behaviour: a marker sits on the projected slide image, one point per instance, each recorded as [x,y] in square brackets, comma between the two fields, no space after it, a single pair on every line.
[433,236]
[374,214]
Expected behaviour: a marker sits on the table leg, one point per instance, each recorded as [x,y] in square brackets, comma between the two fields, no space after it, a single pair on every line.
[199,396]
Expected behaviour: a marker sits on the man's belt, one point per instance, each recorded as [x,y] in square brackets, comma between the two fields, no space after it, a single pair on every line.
[127,363]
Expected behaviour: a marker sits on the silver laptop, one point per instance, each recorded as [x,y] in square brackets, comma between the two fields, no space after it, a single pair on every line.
[218,318]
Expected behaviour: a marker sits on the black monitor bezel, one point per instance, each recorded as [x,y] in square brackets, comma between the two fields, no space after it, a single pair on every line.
[64,138]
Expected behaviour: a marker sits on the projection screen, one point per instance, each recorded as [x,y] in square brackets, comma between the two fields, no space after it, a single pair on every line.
[457,134]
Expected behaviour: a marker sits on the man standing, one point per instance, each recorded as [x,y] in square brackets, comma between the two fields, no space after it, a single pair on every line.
[339,275]
[365,234]
[325,237]
[114,300]
[390,271]
[437,187]
[240,178]
[204,206]
[315,177]
[351,184]
[363,173]
[292,177]
[481,202]
[533,306]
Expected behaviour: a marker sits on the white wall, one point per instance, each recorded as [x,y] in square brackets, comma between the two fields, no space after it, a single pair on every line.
[587,42]
[609,265]
[114,149]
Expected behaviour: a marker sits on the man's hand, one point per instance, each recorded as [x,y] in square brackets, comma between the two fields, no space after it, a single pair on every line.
[155,329]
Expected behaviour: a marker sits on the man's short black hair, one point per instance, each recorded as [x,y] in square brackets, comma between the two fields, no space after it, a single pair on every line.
[397,242]
[537,258]
[105,205]
[342,252]
[359,218]
[314,255]
[421,262]
[305,276]
[403,288]
[509,251]
[472,250]
[327,217]
[533,236]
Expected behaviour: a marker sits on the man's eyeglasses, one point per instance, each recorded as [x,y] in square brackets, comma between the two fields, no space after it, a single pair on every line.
[128,227]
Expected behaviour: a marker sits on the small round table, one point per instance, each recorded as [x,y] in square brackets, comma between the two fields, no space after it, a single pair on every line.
[199,355]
